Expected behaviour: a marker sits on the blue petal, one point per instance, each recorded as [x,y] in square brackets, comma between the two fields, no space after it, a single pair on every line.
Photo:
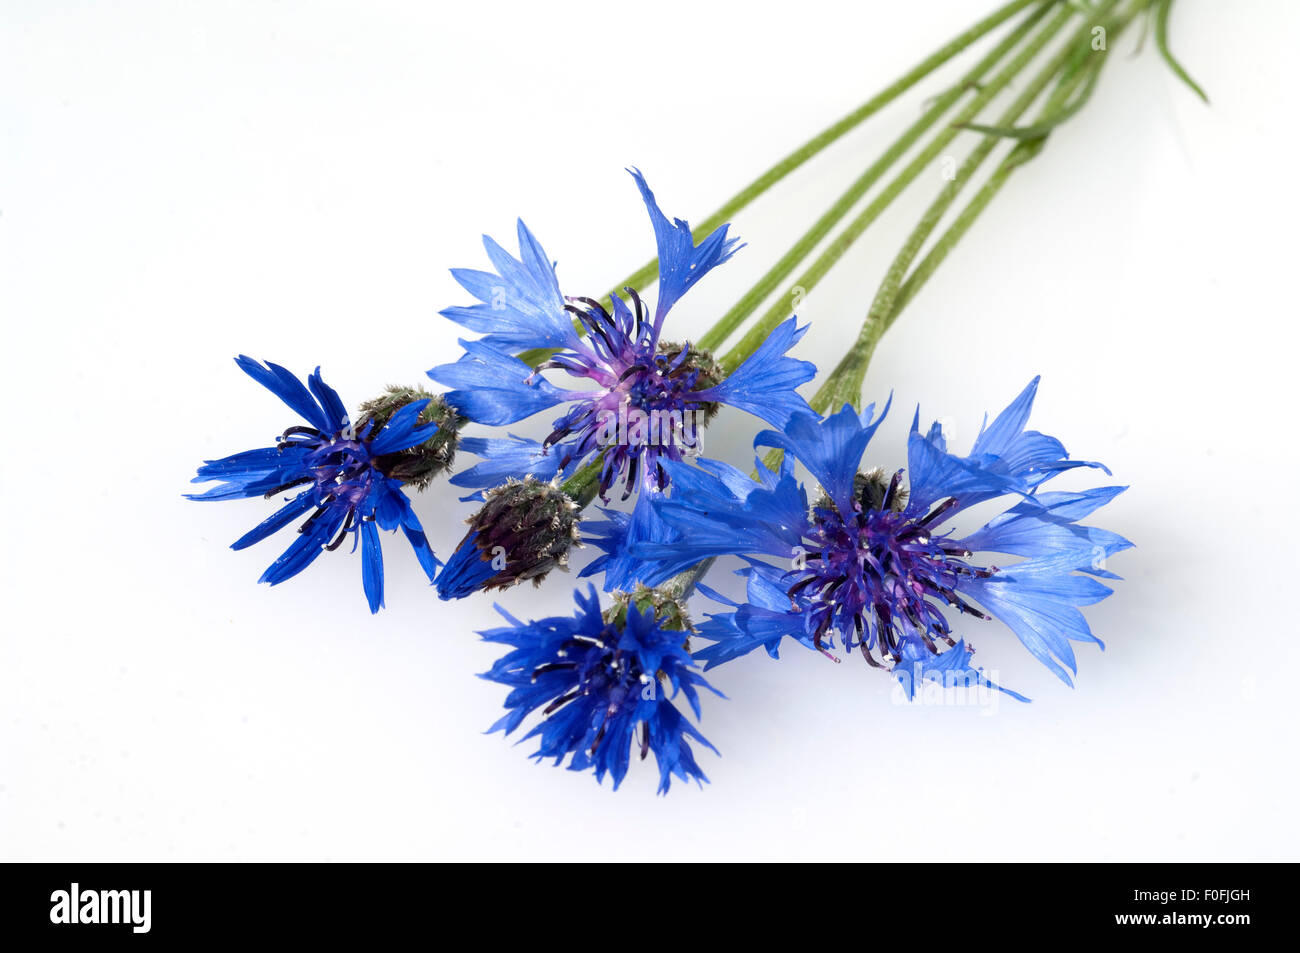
[304,550]
[419,542]
[493,388]
[289,389]
[1043,525]
[330,402]
[609,536]
[739,483]
[764,385]
[465,573]
[997,438]
[713,521]
[763,620]
[522,305]
[935,475]
[385,503]
[372,565]
[620,535]
[1038,599]
[681,261]
[831,448]
[282,517]
[401,432]
[252,472]
[950,668]
[504,458]
[1005,459]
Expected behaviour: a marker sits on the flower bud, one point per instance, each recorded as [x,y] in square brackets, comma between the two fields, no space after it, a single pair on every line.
[524,529]
[705,368]
[418,465]
[666,604]
[874,490]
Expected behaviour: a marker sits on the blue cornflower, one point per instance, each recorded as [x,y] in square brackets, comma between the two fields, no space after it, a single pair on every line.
[603,683]
[353,476]
[650,395]
[870,559]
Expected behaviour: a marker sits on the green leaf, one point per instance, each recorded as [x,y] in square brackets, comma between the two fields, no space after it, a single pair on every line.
[1041,128]
[1023,152]
[1162,43]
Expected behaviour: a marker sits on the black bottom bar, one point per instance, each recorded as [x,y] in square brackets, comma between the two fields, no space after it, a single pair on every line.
[131,904]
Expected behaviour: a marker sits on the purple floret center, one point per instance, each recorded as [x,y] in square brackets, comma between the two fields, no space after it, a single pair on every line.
[878,575]
[341,470]
[636,379]
[601,670]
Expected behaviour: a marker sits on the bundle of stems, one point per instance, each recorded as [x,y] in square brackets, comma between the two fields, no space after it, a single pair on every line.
[1061,46]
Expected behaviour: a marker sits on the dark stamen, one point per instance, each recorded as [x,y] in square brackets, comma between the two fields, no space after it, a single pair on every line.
[600,734]
[937,512]
[640,310]
[310,521]
[552,667]
[594,326]
[562,700]
[961,605]
[594,305]
[817,640]
[286,486]
[343,533]
[893,489]
[632,370]
[630,481]
[866,654]
[797,588]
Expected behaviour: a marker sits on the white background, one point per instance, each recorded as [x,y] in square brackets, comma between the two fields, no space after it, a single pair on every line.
[182,183]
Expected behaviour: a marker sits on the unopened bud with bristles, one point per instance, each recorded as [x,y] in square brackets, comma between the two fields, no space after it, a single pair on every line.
[524,529]
[666,602]
[874,491]
[418,465]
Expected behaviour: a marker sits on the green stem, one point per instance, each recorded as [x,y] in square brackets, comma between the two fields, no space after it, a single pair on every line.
[841,243]
[770,281]
[647,272]
[960,225]
[844,385]
[917,278]
[583,485]
[679,586]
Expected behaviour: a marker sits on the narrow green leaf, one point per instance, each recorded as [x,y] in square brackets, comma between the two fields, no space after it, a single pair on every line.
[1041,128]
[1162,43]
